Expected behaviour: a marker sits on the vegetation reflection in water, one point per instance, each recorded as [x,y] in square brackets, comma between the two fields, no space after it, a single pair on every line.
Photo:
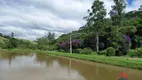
[39,66]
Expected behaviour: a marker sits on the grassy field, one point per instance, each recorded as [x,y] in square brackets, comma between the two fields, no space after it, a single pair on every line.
[135,63]
[2,40]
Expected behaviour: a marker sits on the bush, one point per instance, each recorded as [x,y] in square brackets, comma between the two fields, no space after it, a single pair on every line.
[140,52]
[135,53]
[110,51]
[132,53]
[43,47]
[103,52]
[78,51]
[84,51]
[61,50]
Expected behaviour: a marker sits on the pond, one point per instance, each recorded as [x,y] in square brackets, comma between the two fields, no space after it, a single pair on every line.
[37,66]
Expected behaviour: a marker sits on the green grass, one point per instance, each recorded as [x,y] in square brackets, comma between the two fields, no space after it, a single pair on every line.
[118,61]
[2,39]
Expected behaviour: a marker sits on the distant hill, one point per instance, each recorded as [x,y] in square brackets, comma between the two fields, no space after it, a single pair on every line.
[2,39]
[6,42]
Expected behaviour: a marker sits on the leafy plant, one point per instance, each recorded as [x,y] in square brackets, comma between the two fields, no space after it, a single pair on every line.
[84,51]
[110,51]
[103,52]
[135,53]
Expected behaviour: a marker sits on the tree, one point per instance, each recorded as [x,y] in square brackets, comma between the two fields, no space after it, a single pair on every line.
[134,18]
[46,41]
[12,35]
[117,12]
[140,9]
[12,43]
[128,30]
[1,34]
[95,19]
[117,17]
[51,36]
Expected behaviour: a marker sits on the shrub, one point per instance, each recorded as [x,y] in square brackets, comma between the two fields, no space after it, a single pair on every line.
[78,51]
[61,50]
[140,52]
[132,53]
[102,52]
[84,51]
[110,51]
[43,47]
[135,53]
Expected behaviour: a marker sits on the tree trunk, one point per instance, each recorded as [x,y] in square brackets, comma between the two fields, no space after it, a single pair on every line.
[97,44]
[70,44]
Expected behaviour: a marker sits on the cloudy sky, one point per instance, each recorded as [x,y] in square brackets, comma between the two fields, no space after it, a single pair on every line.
[30,19]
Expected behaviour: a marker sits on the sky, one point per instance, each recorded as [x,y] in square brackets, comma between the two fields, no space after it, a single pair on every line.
[30,19]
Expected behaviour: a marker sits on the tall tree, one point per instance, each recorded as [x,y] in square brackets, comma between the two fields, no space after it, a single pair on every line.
[51,36]
[117,18]
[12,35]
[117,12]
[1,34]
[140,9]
[95,19]
[46,41]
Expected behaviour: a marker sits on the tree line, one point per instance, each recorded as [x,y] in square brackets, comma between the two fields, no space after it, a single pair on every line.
[43,43]
[119,33]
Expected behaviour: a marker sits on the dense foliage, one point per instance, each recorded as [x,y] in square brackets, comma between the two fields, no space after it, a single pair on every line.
[46,42]
[110,51]
[117,34]
[84,51]
[135,53]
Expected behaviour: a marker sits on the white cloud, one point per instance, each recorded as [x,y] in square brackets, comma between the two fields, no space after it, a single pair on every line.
[30,19]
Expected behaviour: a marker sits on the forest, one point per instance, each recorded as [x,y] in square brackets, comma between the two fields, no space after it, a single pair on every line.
[120,34]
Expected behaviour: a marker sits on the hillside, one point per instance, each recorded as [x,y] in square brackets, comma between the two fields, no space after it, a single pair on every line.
[2,39]
[7,42]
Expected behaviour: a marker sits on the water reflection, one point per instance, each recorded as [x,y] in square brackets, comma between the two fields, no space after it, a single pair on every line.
[69,71]
[42,67]
[95,71]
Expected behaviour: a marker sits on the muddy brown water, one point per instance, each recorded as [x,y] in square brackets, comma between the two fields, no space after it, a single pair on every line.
[42,67]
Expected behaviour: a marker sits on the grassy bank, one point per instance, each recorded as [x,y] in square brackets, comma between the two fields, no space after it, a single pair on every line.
[118,61]
[135,63]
